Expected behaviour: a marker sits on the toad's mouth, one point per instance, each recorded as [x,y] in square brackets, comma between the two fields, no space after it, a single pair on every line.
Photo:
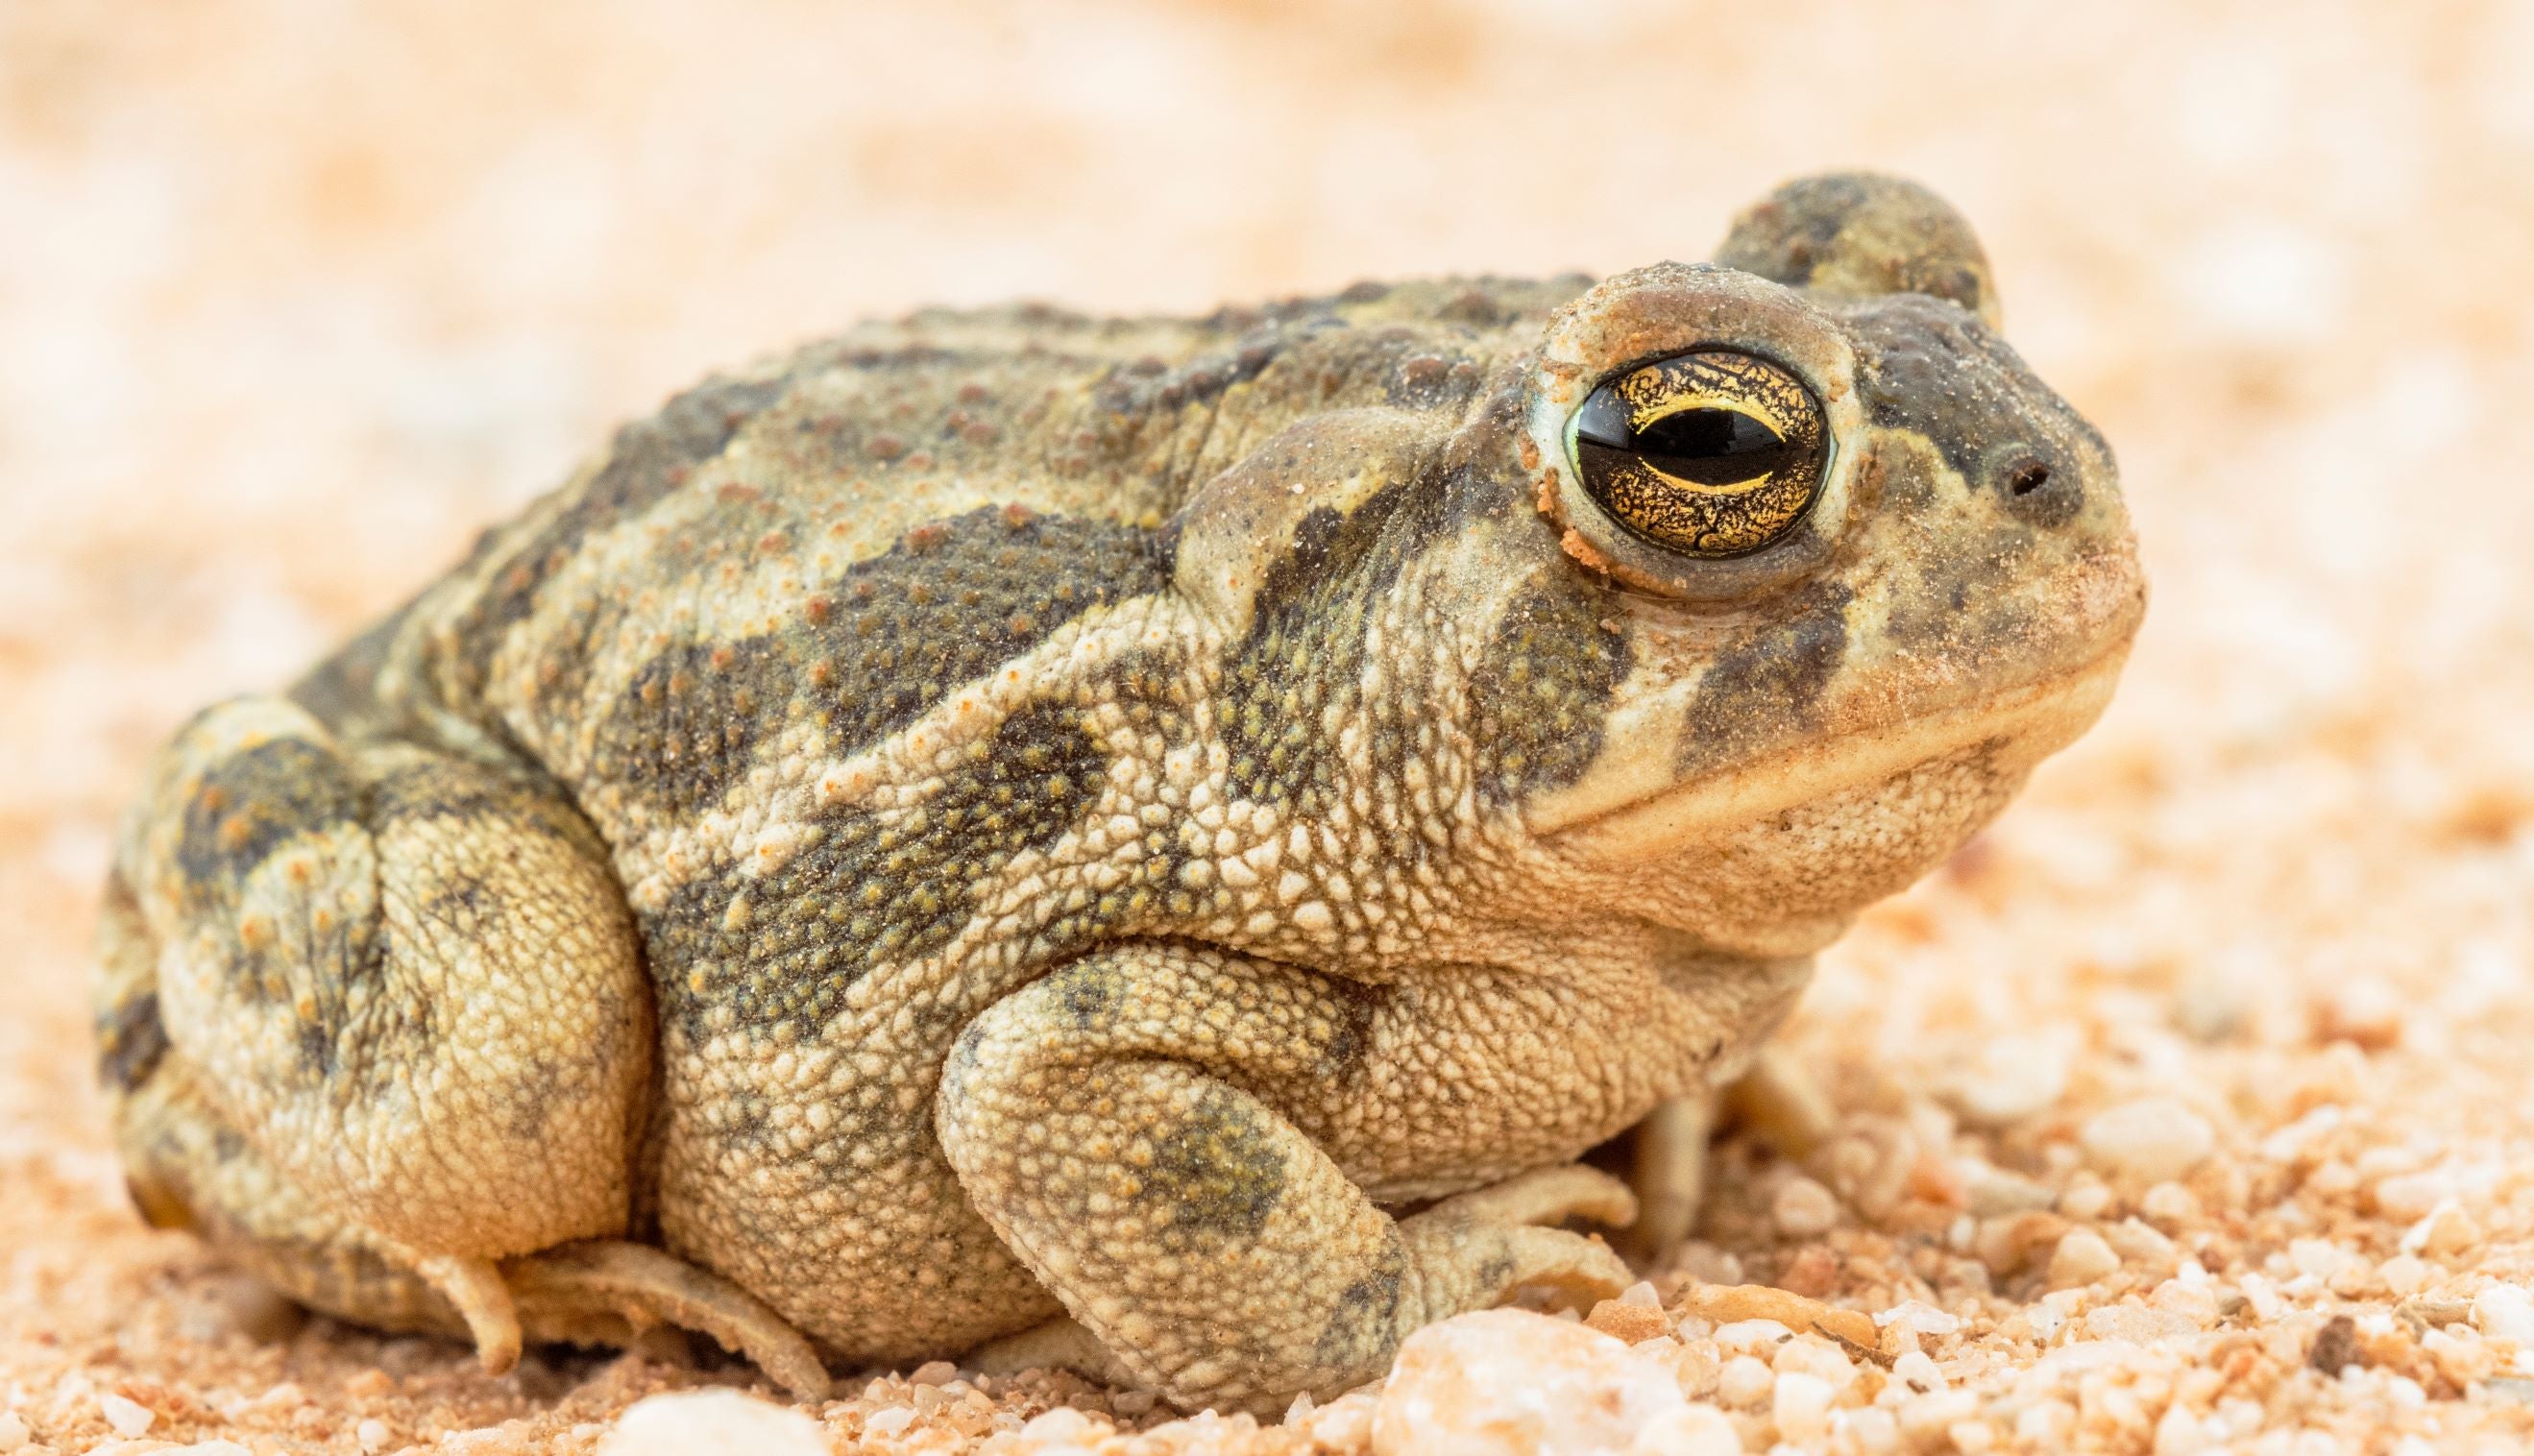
[2027,723]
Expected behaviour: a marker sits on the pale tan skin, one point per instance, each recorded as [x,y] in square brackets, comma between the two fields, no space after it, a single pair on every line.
[1033,839]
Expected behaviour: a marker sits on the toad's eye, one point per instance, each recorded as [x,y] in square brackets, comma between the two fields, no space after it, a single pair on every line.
[1710,454]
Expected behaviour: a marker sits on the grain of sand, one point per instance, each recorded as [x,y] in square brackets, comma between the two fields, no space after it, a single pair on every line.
[2189,1107]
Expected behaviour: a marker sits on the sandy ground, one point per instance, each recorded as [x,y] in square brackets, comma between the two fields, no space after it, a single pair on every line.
[294,296]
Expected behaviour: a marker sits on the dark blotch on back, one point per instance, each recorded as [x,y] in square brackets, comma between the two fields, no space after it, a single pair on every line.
[690,715]
[873,888]
[1542,691]
[951,602]
[1769,678]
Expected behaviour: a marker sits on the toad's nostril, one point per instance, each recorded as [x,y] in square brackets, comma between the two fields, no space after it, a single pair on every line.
[2026,476]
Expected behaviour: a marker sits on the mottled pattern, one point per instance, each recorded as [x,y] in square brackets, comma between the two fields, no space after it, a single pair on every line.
[1293,678]
[1038,836]
[869,889]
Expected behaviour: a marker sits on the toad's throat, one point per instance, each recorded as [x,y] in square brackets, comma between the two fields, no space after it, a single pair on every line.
[2035,720]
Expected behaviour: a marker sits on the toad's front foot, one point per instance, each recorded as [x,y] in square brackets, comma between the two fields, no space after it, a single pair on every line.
[1467,1252]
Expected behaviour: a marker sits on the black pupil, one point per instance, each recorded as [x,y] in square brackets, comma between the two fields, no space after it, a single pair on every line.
[1711,447]
[1704,447]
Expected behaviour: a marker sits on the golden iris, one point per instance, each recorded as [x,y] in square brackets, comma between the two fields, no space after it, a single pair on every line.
[1710,454]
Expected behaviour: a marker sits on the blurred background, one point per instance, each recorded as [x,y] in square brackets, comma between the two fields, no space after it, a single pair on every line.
[295,296]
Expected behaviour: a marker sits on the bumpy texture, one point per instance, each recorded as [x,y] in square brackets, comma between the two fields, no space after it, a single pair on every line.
[1070,833]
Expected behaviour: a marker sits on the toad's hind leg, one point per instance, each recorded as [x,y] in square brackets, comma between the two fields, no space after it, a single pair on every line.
[188,1170]
[408,982]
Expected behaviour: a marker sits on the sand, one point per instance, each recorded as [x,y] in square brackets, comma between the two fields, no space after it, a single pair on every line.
[2216,1038]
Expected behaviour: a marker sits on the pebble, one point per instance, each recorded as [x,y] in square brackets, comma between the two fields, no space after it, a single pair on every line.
[1991,1191]
[1801,1408]
[2192,1302]
[2152,1139]
[12,1431]
[372,1433]
[129,1417]
[2321,1259]
[2411,1196]
[1745,1381]
[1971,1437]
[2080,1258]
[1919,1315]
[1752,1336]
[1803,1208]
[1344,1424]
[1507,1382]
[2405,1274]
[2136,1325]
[2170,1203]
[2447,1230]
[1817,1359]
[2008,1080]
[2140,1243]
[2180,1433]
[688,1420]
[1692,1430]
[1919,1372]
[2504,1311]
[2086,1199]
[1628,1321]
[2045,1425]
[1062,1427]
[1790,1312]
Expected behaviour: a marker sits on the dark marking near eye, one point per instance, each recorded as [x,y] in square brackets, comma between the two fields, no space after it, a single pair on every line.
[131,1042]
[317,1047]
[1217,1172]
[1306,640]
[1541,692]
[1768,679]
